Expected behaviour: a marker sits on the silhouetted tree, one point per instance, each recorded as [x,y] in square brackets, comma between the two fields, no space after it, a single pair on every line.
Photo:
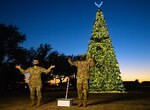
[42,53]
[11,53]
[10,40]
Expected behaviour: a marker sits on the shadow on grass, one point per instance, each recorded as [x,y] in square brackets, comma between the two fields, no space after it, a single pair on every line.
[48,100]
[106,98]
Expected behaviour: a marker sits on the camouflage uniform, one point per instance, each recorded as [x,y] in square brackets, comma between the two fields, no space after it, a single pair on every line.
[35,82]
[83,67]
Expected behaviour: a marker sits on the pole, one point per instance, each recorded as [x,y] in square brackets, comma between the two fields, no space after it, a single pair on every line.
[67,88]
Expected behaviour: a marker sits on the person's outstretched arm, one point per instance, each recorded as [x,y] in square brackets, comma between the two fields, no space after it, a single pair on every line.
[22,70]
[47,70]
[75,63]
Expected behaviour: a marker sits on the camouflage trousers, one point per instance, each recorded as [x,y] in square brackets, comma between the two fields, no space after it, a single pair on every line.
[35,90]
[82,87]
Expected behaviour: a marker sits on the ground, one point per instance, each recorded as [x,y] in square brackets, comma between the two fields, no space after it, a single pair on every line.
[132,100]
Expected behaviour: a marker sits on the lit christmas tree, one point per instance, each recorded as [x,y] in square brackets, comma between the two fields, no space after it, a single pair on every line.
[105,76]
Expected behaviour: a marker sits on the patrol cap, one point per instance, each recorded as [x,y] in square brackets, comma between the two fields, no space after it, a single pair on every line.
[35,61]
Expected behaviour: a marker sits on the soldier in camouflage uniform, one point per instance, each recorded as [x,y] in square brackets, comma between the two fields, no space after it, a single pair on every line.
[35,82]
[83,65]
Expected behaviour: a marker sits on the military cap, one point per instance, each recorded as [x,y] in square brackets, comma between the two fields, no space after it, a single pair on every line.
[35,61]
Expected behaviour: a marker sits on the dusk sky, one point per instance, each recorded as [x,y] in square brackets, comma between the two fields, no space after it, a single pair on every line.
[67,25]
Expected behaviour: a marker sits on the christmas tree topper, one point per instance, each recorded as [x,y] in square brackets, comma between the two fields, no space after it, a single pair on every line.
[99,5]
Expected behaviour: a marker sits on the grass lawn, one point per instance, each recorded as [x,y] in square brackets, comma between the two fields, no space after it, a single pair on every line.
[132,100]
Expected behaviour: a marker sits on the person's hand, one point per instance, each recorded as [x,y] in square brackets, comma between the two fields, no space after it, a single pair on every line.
[17,66]
[69,59]
[52,66]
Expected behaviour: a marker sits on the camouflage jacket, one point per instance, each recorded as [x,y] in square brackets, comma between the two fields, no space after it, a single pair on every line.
[35,74]
[83,68]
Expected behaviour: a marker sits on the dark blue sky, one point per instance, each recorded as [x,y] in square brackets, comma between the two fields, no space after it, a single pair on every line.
[67,26]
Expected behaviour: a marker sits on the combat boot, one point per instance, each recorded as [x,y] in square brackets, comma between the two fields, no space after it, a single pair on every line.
[80,102]
[32,102]
[38,102]
[85,103]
